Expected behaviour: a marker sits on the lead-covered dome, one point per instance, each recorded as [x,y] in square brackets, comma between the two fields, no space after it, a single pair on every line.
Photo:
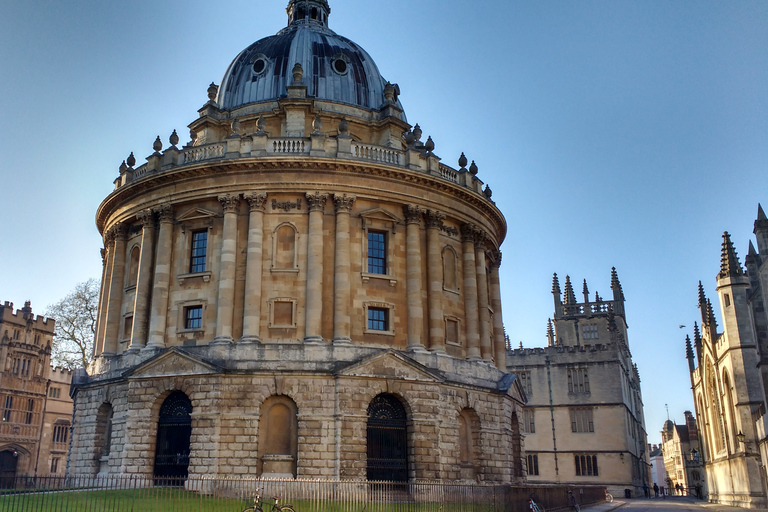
[334,68]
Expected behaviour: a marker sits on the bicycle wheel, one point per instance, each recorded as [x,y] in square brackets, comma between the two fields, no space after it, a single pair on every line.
[609,497]
[250,509]
[287,508]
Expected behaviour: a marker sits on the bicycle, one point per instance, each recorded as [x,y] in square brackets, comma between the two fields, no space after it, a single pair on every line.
[276,507]
[608,497]
[533,506]
[574,505]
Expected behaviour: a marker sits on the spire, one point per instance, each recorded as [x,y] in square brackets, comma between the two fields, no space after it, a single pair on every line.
[689,353]
[711,318]
[618,293]
[702,304]
[570,297]
[729,261]
[585,291]
[752,261]
[761,230]
[556,286]
[550,333]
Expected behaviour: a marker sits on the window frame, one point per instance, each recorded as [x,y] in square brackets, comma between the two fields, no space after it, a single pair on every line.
[456,269]
[586,464]
[532,460]
[294,269]
[457,321]
[380,221]
[194,221]
[183,306]
[294,309]
[390,331]
[582,420]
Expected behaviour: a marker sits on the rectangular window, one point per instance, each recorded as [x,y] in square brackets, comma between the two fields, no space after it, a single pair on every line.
[529,424]
[127,327]
[55,465]
[378,319]
[581,420]
[525,380]
[533,465]
[586,465]
[60,433]
[377,252]
[198,251]
[282,313]
[193,317]
[452,332]
[54,392]
[30,410]
[7,408]
[16,365]
[589,332]
[25,367]
[578,381]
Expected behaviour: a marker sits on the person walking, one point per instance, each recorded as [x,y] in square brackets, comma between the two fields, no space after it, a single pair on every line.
[655,490]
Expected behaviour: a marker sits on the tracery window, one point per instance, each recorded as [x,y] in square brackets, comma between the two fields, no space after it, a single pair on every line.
[581,420]
[533,464]
[586,465]
[578,381]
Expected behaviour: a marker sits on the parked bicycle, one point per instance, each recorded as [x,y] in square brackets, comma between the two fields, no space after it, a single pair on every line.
[533,506]
[572,502]
[276,507]
[608,497]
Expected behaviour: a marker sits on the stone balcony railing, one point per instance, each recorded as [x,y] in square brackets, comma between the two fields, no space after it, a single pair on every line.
[318,145]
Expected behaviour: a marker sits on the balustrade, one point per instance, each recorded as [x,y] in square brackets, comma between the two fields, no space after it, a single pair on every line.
[200,153]
[287,145]
[376,154]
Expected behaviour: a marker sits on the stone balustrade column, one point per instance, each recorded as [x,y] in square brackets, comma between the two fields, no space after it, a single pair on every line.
[484,314]
[144,281]
[106,271]
[413,278]
[159,310]
[314,296]
[116,285]
[253,268]
[342,291]
[470,290]
[434,222]
[499,344]
[226,298]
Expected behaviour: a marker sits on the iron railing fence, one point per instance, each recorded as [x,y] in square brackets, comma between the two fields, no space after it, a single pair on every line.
[150,494]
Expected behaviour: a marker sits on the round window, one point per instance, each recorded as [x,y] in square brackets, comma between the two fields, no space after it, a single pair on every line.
[340,66]
[259,66]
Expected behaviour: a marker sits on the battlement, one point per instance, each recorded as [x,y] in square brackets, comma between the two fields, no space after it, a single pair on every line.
[21,317]
[535,351]
[61,376]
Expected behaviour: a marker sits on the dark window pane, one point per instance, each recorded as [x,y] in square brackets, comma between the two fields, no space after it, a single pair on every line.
[378,319]
[377,253]
[197,254]
[194,317]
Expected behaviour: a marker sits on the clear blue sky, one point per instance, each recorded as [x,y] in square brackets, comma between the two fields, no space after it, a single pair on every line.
[613,133]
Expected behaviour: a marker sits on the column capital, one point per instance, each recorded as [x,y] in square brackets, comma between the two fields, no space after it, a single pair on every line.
[316,201]
[116,232]
[103,253]
[257,201]
[230,202]
[433,219]
[146,218]
[343,202]
[468,232]
[412,213]
[495,257]
[164,212]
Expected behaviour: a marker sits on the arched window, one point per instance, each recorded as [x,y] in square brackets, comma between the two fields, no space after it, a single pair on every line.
[174,429]
[705,429]
[450,269]
[516,440]
[469,426]
[133,266]
[387,439]
[284,248]
[278,437]
[731,405]
[104,429]
[715,410]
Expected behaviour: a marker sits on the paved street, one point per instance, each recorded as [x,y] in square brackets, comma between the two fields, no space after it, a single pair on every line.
[676,504]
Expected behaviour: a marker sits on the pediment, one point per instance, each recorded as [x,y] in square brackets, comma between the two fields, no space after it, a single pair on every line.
[380,215]
[172,363]
[390,365]
[196,214]
[510,383]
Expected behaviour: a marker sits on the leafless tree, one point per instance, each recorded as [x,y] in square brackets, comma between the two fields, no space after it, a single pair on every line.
[75,317]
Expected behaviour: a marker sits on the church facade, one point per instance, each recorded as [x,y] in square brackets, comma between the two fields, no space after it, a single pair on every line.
[728,376]
[302,290]
[584,422]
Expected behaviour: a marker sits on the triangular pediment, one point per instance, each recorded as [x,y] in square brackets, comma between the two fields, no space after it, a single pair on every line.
[510,383]
[171,363]
[196,214]
[390,365]
[379,214]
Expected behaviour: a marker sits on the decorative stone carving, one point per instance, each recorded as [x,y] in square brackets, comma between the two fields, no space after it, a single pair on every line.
[213,90]
[344,127]
[230,202]
[417,132]
[343,203]
[164,212]
[468,232]
[495,257]
[317,123]
[286,206]
[235,125]
[123,167]
[157,145]
[131,160]
[298,73]
[316,201]
[256,201]
[412,214]
[449,230]
[473,168]
[118,231]
[261,124]
[429,145]
[433,219]
[174,138]
[463,162]
[103,253]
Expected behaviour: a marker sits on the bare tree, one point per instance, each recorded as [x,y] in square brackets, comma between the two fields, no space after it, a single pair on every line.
[75,317]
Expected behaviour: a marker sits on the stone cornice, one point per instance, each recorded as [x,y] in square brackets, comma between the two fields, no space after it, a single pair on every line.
[208,169]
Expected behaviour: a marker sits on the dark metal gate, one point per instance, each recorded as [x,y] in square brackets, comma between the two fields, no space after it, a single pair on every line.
[8,461]
[174,428]
[387,440]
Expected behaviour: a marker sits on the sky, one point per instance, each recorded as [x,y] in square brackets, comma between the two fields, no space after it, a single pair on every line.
[612,133]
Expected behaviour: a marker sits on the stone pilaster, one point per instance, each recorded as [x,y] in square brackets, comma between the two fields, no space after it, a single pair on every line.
[314,296]
[470,290]
[342,292]
[434,221]
[499,344]
[484,314]
[106,259]
[144,281]
[253,268]
[158,317]
[414,281]
[117,276]
[226,298]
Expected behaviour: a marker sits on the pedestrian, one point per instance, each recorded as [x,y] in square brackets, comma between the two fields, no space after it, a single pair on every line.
[661,490]
[655,490]
[677,489]
[645,491]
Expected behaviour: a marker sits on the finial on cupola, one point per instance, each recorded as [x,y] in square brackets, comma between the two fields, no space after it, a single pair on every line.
[157,145]
[463,162]
[298,73]
[174,138]
[123,167]
[131,160]
[487,192]
[473,168]
[417,132]
[213,90]
[429,145]
[344,127]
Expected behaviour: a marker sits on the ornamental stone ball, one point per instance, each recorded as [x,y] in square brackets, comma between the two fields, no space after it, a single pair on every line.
[157,145]
[429,145]
[174,138]
[463,162]
[131,160]
[473,169]
[213,90]
[344,127]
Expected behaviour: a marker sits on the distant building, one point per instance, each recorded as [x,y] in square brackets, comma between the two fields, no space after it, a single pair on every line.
[35,407]
[658,471]
[584,421]
[682,456]
[728,376]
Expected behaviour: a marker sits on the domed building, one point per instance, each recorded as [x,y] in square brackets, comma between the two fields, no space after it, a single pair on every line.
[302,290]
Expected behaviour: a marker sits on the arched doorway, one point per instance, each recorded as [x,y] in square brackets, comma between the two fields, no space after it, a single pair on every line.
[174,428]
[8,461]
[387,440]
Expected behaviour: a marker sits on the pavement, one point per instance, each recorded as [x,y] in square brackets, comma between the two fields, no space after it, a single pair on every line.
[705,506]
